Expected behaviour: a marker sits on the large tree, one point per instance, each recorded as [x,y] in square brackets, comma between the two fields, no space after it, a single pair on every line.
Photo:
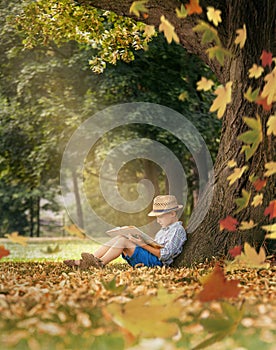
[259,17]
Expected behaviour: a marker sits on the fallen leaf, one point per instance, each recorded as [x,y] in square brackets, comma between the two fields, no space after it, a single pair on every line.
[194,7]
[229,223]
[237,174]
[204,84]
[168,29]
[213,15]
[250,258]
[266,58]
[241,36]
[257,200]
[222,99]
[271,169]
[216,286]
[16,238]
[271,125]
[255,71]
[271,210]
[3,251]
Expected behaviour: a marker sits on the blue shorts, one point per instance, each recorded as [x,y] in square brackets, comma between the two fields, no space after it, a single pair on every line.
[142,256]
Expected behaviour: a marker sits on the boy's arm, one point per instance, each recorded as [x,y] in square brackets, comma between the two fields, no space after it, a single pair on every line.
[141,243]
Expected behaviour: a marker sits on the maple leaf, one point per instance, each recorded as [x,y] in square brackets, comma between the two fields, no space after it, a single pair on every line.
[209,34]
[213,15]
[222,99]
[235,251]
[271,125]
[263,102]
[229,223]
[194,7]
[257,200]
[149,31]
[269,90]
[232,163]
[271,169]
[271,231]
[251,138]
[271,209]
[266,58]
[204,84]
[74,231]
[216,286]
[250,95]
[255,71]
[168,29]
[137,7]
[3,251]
[259,184]
[246,225]
[219,53]
[241,36]
[183,96]
[16,238]
[243,201]
[251,258]
[237,174]
[182,13]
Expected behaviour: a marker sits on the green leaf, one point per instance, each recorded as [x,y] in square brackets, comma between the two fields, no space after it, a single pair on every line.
[137,7]
[219,53]
[209,33]
[214,339]
[214,325]
[112,287]
[250,95]
[243,201]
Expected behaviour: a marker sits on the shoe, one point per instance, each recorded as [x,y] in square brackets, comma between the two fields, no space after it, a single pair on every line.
[89,260]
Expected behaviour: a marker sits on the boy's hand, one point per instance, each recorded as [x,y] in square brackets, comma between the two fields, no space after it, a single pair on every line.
[137,240]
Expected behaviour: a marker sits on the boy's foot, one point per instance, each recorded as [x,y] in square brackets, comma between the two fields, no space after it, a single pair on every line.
[72,263]
[90,260]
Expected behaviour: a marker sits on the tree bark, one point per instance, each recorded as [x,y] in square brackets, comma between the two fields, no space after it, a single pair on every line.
[259,17]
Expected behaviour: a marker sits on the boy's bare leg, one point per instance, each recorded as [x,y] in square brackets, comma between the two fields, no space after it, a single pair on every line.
[119,245]
[105,247]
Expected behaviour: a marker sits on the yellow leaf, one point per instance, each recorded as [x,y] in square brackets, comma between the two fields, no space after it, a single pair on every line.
[271,231]
[250,258]
[257,200]
[237,173]
[149,31]
[271,125]
[74,231]
[269,90]
[183,96]
[243,201]
[255,71]
[137,7]
[232,163]
[204,84]
[222,99]
[182,13]
[168,29]
[213,15]
[246,225]
[16,238]
[241,36]
[271,169]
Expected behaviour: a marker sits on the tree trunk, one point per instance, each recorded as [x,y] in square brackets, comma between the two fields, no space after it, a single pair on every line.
[78,201]
[259,17]
[38,217]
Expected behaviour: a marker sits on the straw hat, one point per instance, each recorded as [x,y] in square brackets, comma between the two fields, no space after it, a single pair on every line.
[164,204]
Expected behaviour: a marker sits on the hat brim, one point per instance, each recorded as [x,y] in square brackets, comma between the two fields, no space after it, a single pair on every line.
[161,212]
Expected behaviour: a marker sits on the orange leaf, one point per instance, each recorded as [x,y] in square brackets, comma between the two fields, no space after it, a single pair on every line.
[235,251]
[3,252]
[266,58]
[194,7]
[217,287]
[271,210]
[259,184]
[229,223]
[263,102]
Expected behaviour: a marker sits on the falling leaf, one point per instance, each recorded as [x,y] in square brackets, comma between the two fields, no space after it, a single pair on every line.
[168,29]
[271,169]
[216,286]
[194,7]
[204,84]
[263,102]
[235,251]
[246,225]
[232,163]
[271,231]
[182,13]
[250,95]
[222,99]
[219,53]
[269,90]
[3,251]
[237,174]
[74,231]
[266,58]
[16,238]
[251,138]
[137,7]
[149,31]
[51,250]
[243,201]
[271,125]
[250,258]
[183,96]
[259,184]
[257,200]
[229,223]
[241,36]
[271,210]
[209,33]
[255,71]
[213,15]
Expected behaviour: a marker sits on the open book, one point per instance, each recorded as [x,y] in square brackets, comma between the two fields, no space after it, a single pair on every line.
[135,232]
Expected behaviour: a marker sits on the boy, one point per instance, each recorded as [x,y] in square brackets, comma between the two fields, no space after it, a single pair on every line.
[135,251]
